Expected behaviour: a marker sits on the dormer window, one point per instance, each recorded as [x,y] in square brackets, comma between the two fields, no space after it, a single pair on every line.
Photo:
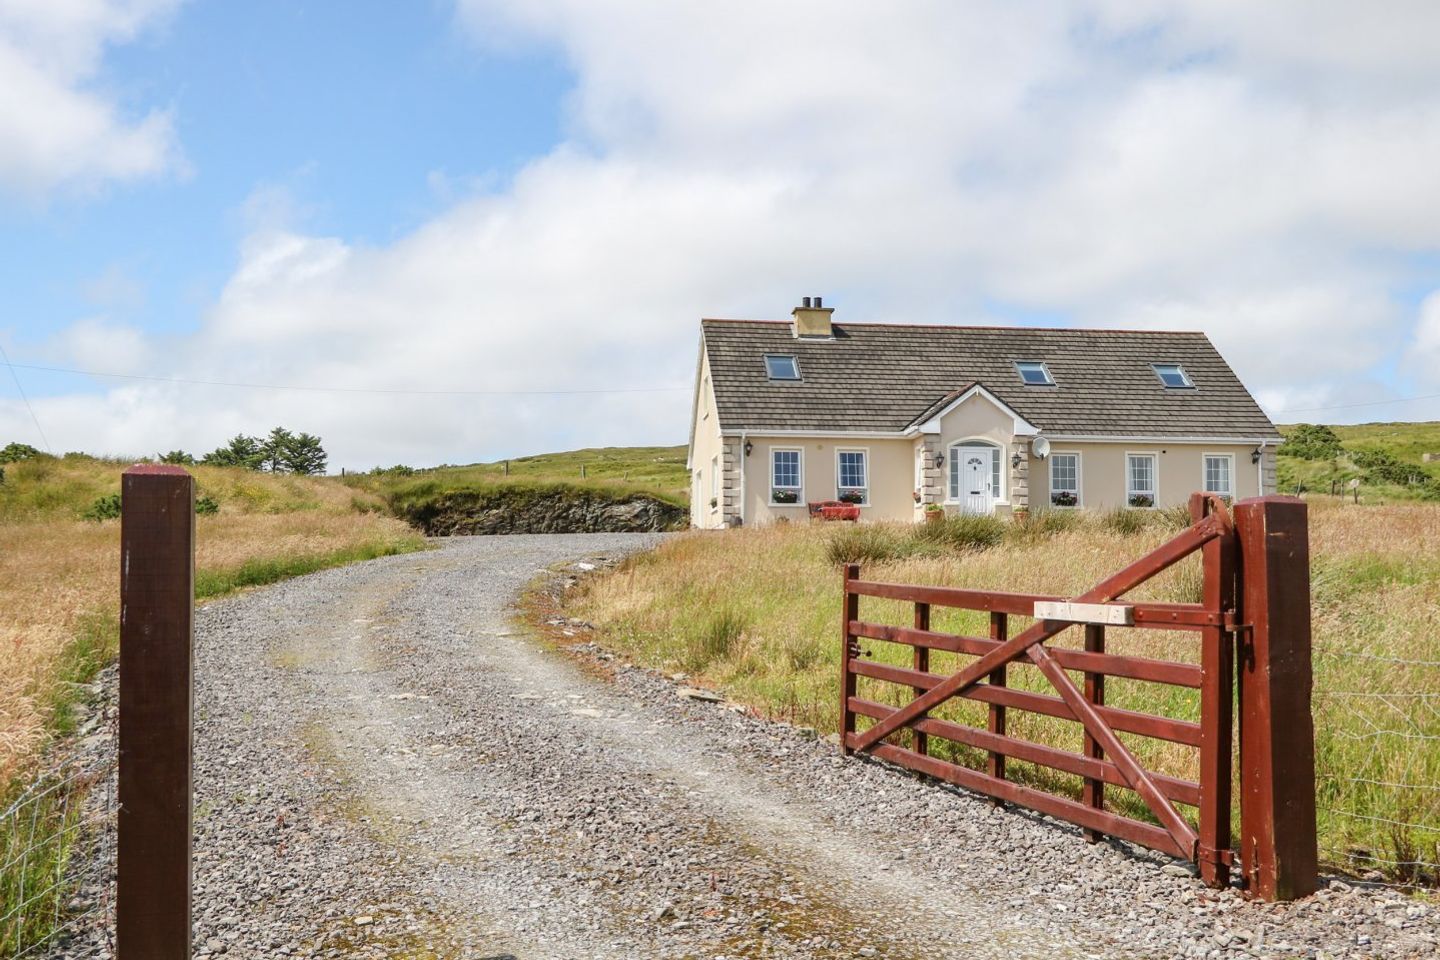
[1034,373]
[781,367]
[1173,376]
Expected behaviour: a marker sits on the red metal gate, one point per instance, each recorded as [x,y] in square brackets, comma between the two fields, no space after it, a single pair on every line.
[1279,860]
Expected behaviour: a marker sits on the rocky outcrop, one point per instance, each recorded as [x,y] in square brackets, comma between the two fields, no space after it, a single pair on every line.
[556,509]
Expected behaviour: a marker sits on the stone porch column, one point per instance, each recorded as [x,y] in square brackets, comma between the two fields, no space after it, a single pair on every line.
[732,461]
[932,484]
[1019,475]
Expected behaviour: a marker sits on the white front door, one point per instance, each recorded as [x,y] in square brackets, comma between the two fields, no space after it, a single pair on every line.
[977,471]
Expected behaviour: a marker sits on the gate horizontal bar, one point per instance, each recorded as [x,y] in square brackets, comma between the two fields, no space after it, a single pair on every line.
[1110,664]
[1062,808]
[1152,616]
[1110,614]
[1129,721]
[1181,791]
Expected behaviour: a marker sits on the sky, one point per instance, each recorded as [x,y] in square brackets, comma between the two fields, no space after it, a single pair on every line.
[458,230]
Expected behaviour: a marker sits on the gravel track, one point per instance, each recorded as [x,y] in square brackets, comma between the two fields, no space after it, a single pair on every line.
[388,766]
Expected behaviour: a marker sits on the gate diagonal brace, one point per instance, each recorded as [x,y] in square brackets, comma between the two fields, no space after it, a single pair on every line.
[1029,644]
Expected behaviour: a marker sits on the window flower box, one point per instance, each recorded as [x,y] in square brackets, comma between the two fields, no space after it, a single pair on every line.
[1141,500]
[784,496]
[1064,498]
[857,497]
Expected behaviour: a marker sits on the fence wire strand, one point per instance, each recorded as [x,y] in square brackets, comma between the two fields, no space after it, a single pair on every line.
[57,864]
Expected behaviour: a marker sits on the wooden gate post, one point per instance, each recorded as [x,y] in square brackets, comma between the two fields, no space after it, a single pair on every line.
[1277,741]
[849,610]
[157,604]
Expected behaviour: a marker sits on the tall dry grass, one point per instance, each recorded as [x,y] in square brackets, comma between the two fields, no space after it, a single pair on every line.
[59,576]
[772,595]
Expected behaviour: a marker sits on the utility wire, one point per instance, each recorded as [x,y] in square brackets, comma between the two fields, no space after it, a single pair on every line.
[372,390]
[16,377]
[1363,403]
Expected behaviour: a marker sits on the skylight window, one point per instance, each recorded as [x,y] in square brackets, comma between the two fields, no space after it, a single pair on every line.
[781,367]
[1033,373]
[1173,376]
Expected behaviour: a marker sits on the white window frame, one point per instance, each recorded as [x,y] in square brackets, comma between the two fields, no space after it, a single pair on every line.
[715,483]
[998,472]
[1154,476]
[799,487]
[1180,368]
[1079,483]
[865,453]
[1044,368]
[794,362]
[1205,473]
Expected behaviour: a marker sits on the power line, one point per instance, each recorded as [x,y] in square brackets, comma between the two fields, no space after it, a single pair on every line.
[1363,403]
[16,377]
[371,390]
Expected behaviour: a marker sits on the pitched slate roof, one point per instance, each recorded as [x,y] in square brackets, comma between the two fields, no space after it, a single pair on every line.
[883,377]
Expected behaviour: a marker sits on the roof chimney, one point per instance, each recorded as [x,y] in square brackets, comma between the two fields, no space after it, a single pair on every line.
[813,320]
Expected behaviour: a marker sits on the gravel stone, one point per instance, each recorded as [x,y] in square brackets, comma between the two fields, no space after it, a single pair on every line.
[387,764]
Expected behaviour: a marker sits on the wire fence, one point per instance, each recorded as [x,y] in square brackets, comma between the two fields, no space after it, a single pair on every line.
[1379,779]
[57,864]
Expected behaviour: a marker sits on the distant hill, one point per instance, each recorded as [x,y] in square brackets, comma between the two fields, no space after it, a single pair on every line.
[595,489]
[1379,454]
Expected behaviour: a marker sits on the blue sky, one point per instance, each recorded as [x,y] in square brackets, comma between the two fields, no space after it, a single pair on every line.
[496,197]
[362,118]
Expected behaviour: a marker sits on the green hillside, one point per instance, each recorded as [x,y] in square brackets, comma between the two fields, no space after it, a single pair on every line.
[1387,458]
[656,471]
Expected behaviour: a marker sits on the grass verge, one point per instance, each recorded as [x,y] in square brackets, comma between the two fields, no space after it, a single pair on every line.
[754,611]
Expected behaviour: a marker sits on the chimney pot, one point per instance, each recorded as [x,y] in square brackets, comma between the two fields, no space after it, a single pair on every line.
[818,304]
[805,302]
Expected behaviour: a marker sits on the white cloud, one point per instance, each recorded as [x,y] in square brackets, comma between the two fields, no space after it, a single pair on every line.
[57,126]
[1142,164]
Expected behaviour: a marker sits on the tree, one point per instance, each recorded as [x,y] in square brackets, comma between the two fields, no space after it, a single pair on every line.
[304,454]
[276,450]
[1311,441]
[178,457]
[241,451]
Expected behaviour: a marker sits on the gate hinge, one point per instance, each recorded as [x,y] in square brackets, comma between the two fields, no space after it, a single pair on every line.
[1210,855]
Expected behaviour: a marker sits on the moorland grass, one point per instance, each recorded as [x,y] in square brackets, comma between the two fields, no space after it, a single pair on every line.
[772,594]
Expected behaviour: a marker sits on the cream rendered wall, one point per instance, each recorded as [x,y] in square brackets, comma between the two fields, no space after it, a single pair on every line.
[705,446]
[892,476]
[1179,467]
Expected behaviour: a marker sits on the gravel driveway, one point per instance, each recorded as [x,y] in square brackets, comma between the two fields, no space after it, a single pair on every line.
[388,766]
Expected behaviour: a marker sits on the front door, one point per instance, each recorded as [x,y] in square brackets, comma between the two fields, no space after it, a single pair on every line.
[977,470]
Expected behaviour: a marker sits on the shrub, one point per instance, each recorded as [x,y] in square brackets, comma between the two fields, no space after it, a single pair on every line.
[1174,518]
[15,452]
[179,457]
[206,506]
[104,508]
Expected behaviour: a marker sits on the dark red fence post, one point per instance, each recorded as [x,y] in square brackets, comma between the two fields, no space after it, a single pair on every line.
[921,661]
[157,603]
[849,610]
[1277,742]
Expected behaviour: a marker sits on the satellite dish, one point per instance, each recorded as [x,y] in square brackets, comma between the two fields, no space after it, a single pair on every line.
[1040,447]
